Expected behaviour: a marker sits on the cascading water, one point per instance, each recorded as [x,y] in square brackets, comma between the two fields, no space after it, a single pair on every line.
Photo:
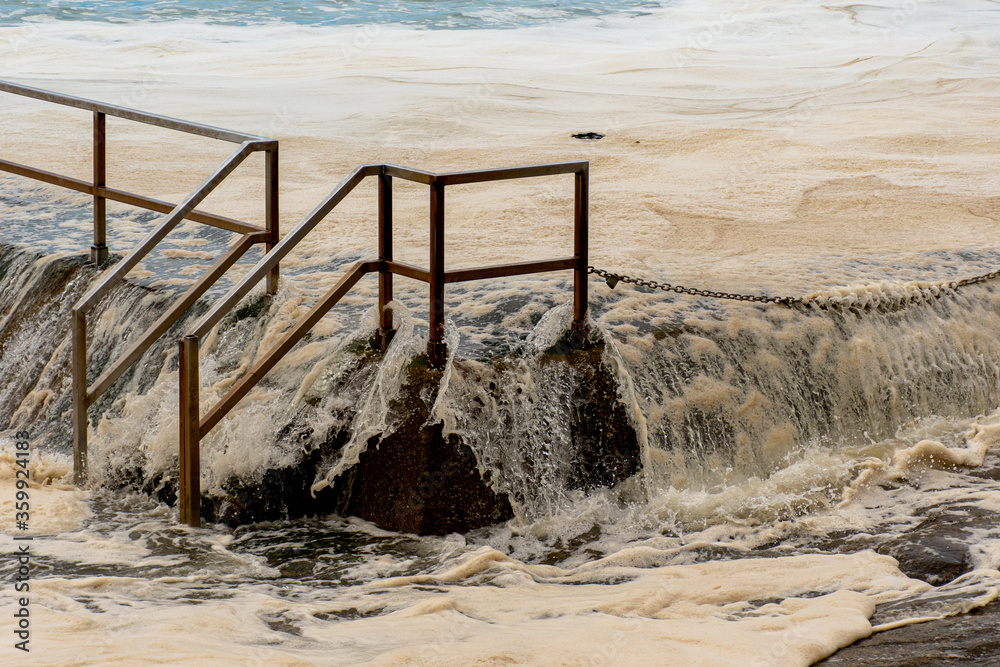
[39,293]
[700,483]
[723,394]
[734,392]
[544,420]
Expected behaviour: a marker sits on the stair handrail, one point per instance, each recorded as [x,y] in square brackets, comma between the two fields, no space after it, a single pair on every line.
[84,396]
[193,427]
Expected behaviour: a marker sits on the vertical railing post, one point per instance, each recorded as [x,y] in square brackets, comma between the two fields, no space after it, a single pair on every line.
[78,325]
[580,250]
[189,418]
[99,251]
[385,331]
[437,351]
[271,213]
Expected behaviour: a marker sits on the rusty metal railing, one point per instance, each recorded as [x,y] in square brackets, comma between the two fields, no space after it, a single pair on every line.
[84,396]
[194,427]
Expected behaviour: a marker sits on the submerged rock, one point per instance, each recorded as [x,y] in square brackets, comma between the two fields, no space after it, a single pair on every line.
[970,639]
[416,478]
[937,550]
[420,480]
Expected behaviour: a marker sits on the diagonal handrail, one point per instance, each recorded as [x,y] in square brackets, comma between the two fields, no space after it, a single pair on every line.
[188,299]
[193,427]
[283,247]
[83,396]
[117,273]
[243,386]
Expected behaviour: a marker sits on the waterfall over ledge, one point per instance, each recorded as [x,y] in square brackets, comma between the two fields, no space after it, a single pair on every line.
[735,392]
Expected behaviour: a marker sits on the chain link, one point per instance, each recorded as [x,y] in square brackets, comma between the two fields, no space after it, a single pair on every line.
[992,275]
[614,278]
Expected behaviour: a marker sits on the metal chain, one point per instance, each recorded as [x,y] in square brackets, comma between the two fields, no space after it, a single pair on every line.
[992,275]
[614,278]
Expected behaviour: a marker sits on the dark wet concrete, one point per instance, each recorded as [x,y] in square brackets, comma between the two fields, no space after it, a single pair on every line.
[416,480]
[969,639]
[937,550]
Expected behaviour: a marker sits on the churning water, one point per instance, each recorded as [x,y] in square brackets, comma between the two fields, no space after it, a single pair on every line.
[446,14]
[787,455]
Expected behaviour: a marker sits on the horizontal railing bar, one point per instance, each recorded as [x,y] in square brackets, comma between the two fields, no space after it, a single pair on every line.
[290,240]
[67,182]
[160,206]
[275,354]
[409,174]
[344,188]
[165,321]
[117,273]
[484,175]
[130,198]
[506,270]
[135,115]
[408,270]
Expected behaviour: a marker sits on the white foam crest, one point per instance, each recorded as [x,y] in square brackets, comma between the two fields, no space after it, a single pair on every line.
[926,454]
[883,295]
[970,591]
[530,615]
[54,505]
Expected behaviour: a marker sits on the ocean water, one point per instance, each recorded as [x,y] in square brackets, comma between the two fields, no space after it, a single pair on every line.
[846,150]
[450,14]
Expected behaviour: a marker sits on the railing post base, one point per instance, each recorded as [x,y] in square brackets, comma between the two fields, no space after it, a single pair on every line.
[437,354]
[383,337]
[99,254]
[579,333]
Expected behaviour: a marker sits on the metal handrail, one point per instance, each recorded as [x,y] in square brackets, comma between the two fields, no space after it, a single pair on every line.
[84,396]
[116,274]
[167,122]
[194,427]
[243,386]
[284,246]
[188,299]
